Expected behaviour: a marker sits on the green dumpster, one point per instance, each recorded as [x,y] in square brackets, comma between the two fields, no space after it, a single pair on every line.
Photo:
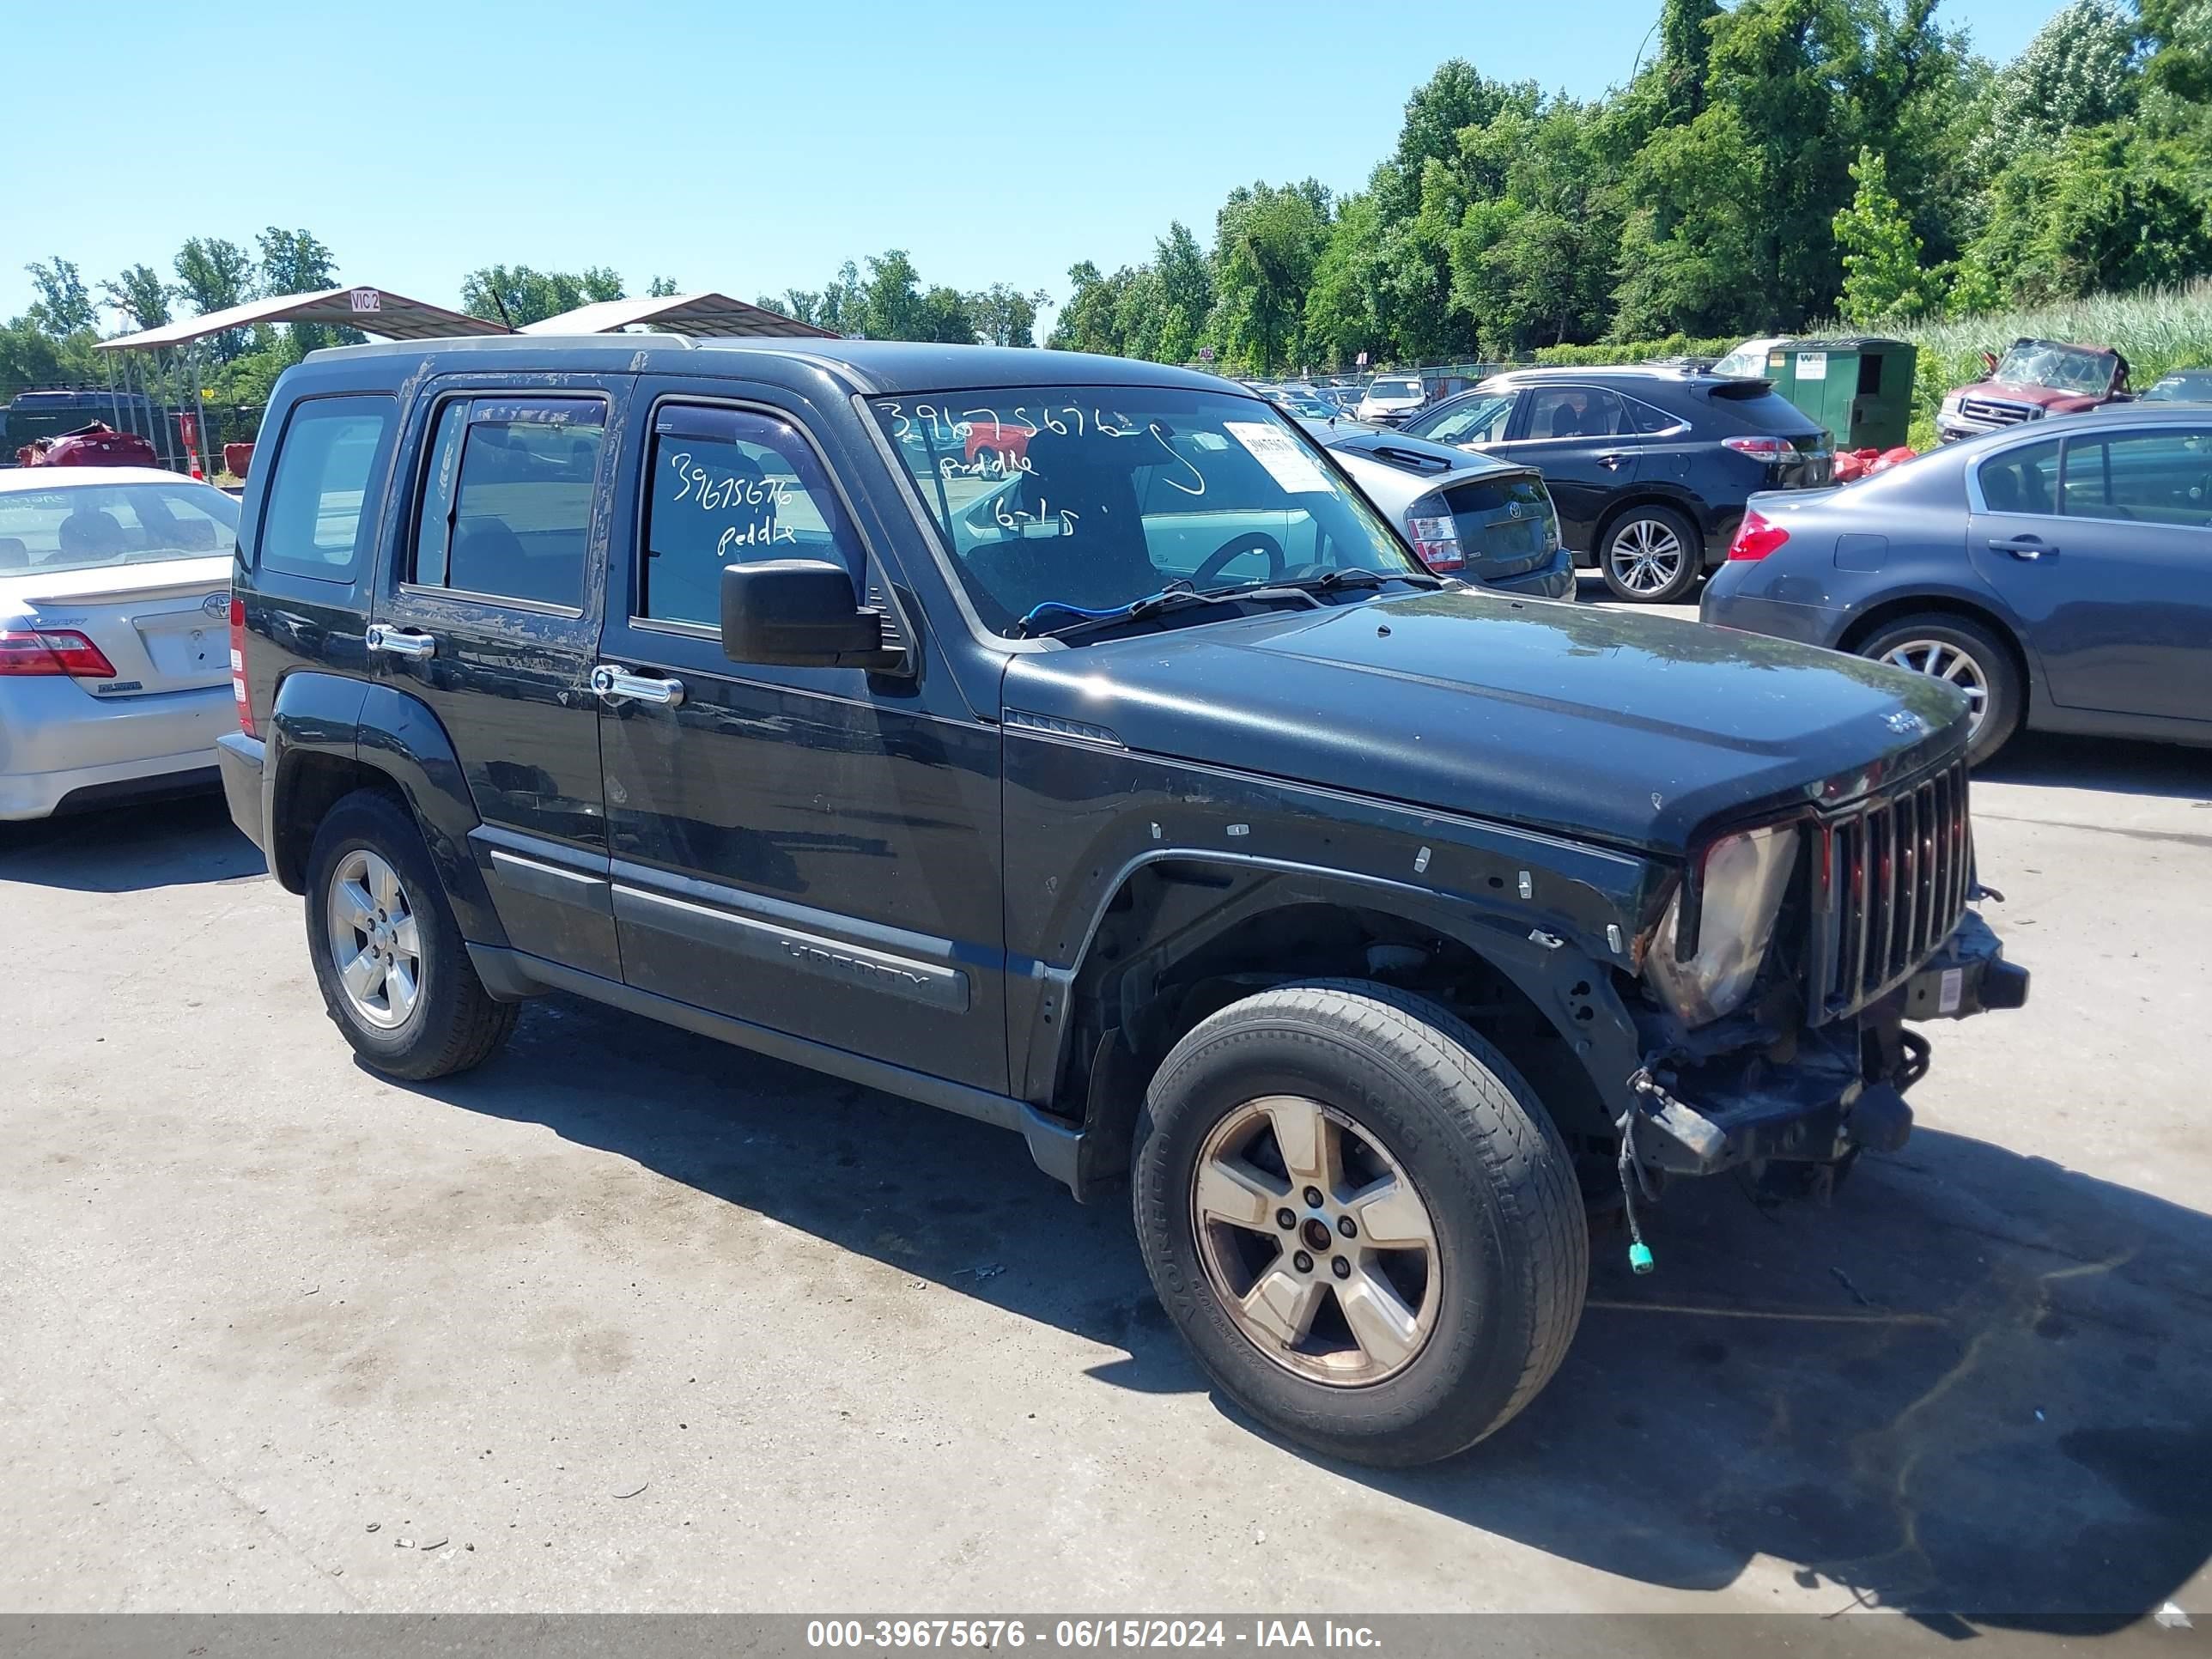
[1859,387]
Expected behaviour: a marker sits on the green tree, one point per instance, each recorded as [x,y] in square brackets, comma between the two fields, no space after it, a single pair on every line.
[945,317]
[297,262]
[1089,321]
[891,305]
[1007,316]
[139,294]
[1186,279]
[517,294]
[2081,70]
[215,275]
[1268,240]
[1885,280]
[661,288]
[64,306]
[1346,300]
[2111,208]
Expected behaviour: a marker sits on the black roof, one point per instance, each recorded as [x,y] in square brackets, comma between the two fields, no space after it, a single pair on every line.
[1645,373]
[869,366]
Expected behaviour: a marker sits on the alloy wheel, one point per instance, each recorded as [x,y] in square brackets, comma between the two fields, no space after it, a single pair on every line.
[1646,556]
[375,944]
[1941,659]
[1318,1245]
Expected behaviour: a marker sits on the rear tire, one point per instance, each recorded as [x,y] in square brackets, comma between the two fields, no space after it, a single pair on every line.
[394,973]
[1651,555]
[1451,1299]
[1969,656]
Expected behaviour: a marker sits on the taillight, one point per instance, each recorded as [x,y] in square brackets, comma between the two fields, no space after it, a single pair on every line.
[1756,537]
[53,651]
[238,665]
[1436,539]
[1763,449]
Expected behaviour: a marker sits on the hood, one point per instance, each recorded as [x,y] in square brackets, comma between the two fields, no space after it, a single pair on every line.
[2049,398]
[1599,724]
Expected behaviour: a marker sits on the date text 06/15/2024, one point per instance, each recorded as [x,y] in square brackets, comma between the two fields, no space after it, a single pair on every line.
[866,1635]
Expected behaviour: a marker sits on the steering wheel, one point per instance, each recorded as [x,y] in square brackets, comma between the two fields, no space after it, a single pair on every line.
[1250,541]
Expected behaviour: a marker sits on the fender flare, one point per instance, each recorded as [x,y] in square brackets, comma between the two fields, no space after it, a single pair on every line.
[1570,983]
[379,729]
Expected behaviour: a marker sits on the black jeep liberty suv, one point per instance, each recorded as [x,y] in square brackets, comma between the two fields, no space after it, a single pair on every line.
[1063,741]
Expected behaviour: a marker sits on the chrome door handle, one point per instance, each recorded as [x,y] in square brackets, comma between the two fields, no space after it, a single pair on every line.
[2023,547]
[1611,463]
[614,684]
[401,641]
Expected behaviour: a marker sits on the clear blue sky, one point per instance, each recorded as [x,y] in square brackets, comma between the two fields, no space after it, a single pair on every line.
[742,148]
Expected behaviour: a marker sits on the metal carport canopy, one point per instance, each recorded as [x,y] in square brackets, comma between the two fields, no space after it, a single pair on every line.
[371,310]
[707,316]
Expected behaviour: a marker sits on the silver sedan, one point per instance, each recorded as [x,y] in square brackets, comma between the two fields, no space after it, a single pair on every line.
[114,634]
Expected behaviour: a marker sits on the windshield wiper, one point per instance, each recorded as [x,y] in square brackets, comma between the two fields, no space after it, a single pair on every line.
[1359,576]
[1175,596]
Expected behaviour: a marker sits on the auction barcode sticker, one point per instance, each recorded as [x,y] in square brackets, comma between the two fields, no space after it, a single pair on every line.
[1276,449]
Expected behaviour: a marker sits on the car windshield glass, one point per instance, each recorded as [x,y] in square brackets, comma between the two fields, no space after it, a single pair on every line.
[74,526]
[1395,389]
[1090,498]
[2063,367]
[1747,362]
[2181,389]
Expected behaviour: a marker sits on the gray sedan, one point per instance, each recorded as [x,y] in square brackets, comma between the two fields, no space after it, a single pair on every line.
[2060,575]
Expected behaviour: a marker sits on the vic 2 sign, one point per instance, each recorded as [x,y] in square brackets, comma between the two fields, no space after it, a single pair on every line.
[367,299]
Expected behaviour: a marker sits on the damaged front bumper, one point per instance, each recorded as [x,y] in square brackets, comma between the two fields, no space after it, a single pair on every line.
[1827,1092]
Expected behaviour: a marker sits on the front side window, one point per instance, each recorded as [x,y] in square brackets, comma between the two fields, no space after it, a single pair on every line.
[1575,411]
[1480,420]
[73,526]
[509,497]
[2151,477]
[733,486]
[2023,480]
[1090,497]
[318,521]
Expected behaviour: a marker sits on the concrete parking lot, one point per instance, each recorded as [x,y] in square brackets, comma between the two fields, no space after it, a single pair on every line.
[631,1321]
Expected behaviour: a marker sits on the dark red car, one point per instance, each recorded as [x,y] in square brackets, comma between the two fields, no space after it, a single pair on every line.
[995,446]
[96,444]
[2035,378]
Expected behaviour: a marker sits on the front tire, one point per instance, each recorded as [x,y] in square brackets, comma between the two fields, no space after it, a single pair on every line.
[1651,555]
[1968,656]
[395,976]
[1433,1271]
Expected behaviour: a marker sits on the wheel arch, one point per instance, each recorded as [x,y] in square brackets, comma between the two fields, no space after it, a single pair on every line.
[331,735]
[1184,936]
[1876,617]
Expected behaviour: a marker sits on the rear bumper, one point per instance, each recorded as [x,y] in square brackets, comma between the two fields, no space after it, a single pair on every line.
[1829,1100]
[1555,581]
[1807,624]
[239,759]
[57,741]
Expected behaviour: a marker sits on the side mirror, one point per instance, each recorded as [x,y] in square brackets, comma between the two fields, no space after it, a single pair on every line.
[800,613]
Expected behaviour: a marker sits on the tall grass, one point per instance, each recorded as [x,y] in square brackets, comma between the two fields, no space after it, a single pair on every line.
[2156,329]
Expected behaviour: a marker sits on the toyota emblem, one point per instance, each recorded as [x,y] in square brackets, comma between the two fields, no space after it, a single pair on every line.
[216,604]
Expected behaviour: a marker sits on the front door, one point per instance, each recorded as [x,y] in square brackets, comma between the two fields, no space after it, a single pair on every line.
[812,850]
[2102,547]
[490,616]
[1583,441]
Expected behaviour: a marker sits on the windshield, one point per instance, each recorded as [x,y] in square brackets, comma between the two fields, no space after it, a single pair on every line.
[1305,403]
[2181,389]
[74,526]
[1094,497]
[2064,367]
[1395,389]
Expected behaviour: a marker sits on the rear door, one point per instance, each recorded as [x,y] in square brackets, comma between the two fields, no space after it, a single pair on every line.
[490,612]
[1583,441]
[2103,547]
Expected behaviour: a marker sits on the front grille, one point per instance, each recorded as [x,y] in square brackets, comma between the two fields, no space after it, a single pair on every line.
[1893,880]
[1997,411]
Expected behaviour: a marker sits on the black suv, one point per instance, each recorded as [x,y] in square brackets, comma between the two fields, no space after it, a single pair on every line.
[1650,467]
[1132,786]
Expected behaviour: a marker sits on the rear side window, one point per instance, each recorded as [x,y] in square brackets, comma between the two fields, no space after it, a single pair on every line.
[320,515]
[1762,408]
[733,486]
[1647,417]
[509,497]
[2023,480]
[2149,477]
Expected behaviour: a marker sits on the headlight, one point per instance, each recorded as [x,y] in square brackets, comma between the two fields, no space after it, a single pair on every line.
[1745,878]
[1951,403]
